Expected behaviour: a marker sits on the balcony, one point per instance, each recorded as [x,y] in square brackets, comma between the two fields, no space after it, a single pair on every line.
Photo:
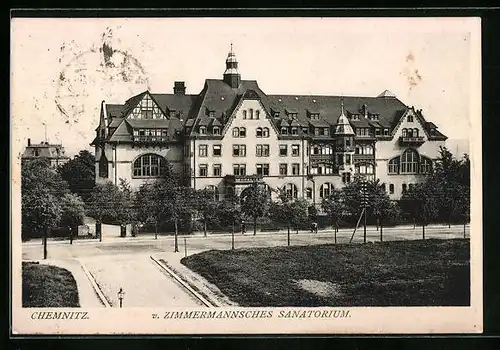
[411,140]
[143,139]
[242,179]
[321,158]
[364,158]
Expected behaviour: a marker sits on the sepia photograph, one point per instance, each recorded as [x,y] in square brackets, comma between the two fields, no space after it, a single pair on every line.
[246,175]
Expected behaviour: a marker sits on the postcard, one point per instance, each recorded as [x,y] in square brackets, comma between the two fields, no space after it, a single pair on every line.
[264,175]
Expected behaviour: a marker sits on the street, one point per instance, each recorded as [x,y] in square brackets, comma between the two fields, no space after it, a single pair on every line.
[125,263]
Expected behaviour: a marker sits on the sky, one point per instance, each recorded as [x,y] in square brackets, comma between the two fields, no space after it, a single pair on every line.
[61,69]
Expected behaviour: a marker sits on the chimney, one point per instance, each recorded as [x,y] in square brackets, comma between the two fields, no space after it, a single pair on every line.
[179,88]
[29,142]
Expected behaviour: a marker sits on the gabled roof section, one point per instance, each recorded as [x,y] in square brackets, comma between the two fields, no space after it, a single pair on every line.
[114,110]
[386,93]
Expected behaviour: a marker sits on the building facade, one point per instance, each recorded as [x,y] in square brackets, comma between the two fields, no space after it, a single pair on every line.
[232,134]
[54,153]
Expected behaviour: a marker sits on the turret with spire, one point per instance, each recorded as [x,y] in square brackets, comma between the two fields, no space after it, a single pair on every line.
[344,135]
[232,76]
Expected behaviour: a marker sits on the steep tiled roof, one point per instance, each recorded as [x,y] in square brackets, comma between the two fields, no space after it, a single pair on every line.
[114,110]
[45,150]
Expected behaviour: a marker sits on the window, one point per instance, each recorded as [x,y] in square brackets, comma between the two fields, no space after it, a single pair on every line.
[415,132]
[244,114]
[340,159]
[203,170]
[358,150]
[425,165]
[239,150]
[236,132]
[305,131]
[290,190]
[394,165]
[348,159]
[202,150]
[257,114]
[263,169]
[313,170]
[214,190]
[317,131]
[283,150]
[386,132]
[251,113]
[315,150]
[217,169]
[243,132]
[239,169]
[283,169]
[391,188]
[404,132]
[295,150]
[326,149]
[325,169]
[346,177]
[258,132]
[217,150]
[348,142]
[403,188]
[203,130]
[409,162]
[149,165]
[295,131]
[364,169]
[103,166]
[265,132]
[309,193]
[410,119]
[367,149]
[325,132]
[383,188]
[326,190]
[262,151]
[295,169]
[410,186]
[410,133]
[284,131]
[216,130]
[377,132]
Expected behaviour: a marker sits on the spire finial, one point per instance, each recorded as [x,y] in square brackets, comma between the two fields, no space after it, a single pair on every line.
[342,104]
[231,47]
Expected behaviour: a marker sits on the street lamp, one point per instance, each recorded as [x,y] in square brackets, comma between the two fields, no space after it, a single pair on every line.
[121,294]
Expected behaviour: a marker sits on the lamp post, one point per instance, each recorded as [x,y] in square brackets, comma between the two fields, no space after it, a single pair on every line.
[121,294]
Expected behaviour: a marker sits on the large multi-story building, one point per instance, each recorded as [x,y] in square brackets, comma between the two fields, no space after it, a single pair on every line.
[232,134]
[54,153]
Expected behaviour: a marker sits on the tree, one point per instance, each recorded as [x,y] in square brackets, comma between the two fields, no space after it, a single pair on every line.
[334,206]
[179,205]
[206,205]
[73,211]
[255,201]
[383,209]
[229,213]
[424,202]
[289,212]
[42,190]
[79,172]
[105,204]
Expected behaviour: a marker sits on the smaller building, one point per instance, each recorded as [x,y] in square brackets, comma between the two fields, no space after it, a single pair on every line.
[54,153]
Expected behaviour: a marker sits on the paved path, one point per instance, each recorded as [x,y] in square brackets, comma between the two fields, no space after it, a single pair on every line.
[144,283]
[86,293]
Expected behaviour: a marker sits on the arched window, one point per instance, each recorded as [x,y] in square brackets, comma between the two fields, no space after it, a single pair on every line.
[309,193]
[383,187]
[409,162]
[214,190]
[391,188]
[236,132]
[425,165]
[244,114]
[203,130]
[315,150]
[410,133]
[243,132]
[284,130]
[265,132]
[403,188]
[290,190]
[103,166]
[257,114]
[326,190]
[149,165]
[405,132]
[216,130]
[251,113]
[415,132]
[394,165]
[258,133]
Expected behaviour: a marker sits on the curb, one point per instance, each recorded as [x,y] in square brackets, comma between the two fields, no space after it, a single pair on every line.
[100,294]
[184,284]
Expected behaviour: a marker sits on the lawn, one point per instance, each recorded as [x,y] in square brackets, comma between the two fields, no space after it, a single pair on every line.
[400,273]
[48,286]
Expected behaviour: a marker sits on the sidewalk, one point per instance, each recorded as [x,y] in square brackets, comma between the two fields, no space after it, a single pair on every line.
[86,294]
